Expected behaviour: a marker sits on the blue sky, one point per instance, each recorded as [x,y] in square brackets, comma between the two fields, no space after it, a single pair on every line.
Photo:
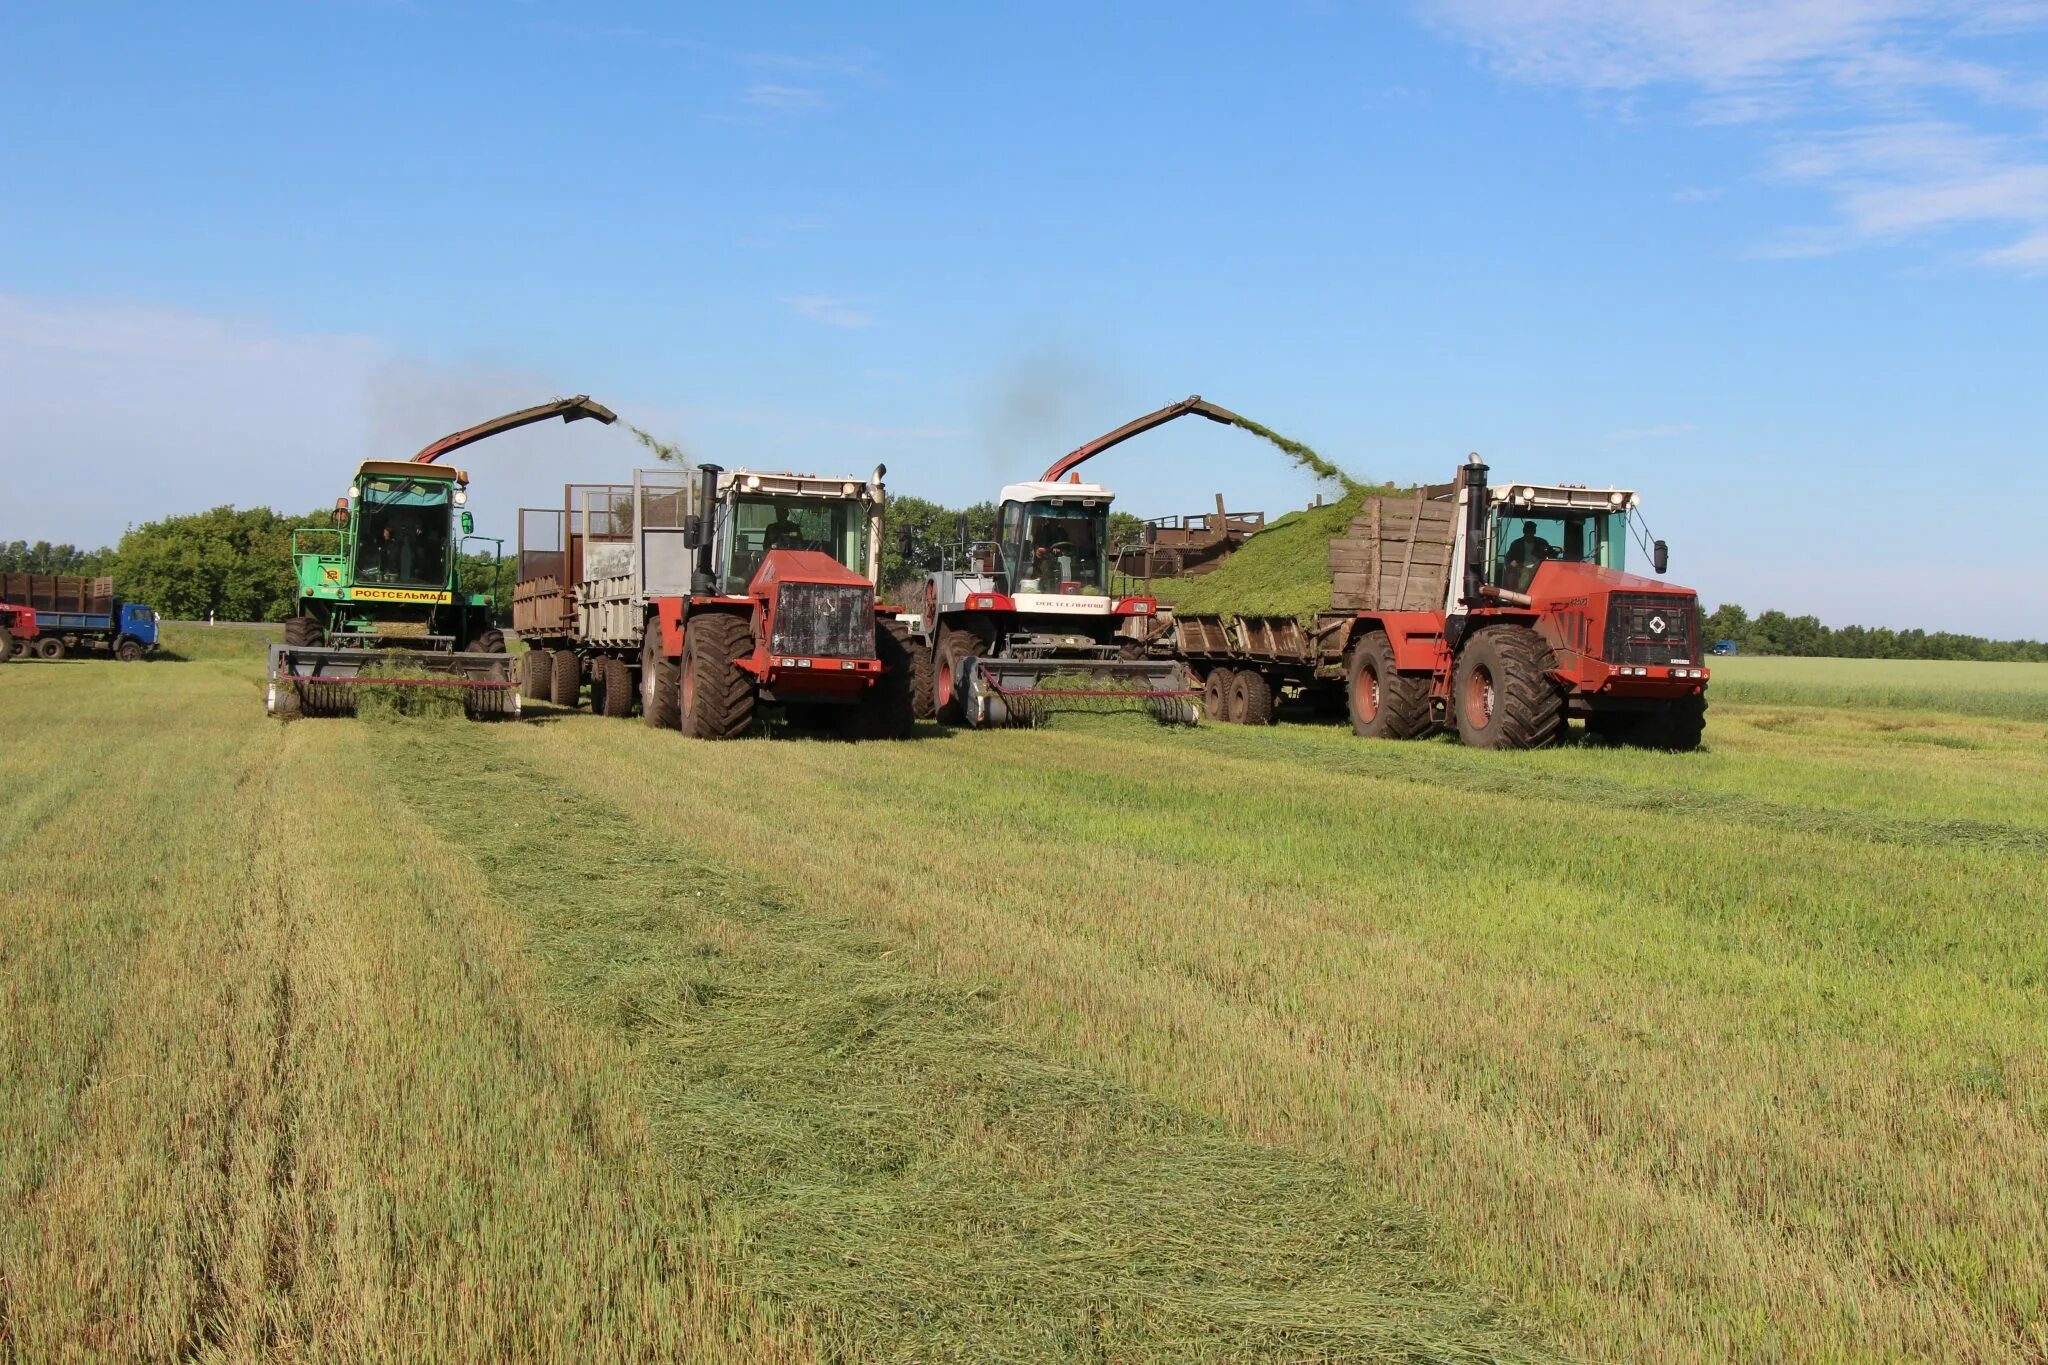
[1781,265]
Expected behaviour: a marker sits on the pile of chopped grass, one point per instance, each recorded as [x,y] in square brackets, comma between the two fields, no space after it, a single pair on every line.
[1284,570]
[404,703]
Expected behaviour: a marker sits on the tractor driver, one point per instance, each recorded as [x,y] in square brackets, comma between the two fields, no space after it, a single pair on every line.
[783,532]
[1523,556]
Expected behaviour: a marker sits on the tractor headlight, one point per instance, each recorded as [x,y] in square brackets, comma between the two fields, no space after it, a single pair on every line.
[461,496]
[354,492]
[753,482]
[1615,499]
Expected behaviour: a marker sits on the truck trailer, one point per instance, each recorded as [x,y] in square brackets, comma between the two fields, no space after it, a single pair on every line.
[76,614]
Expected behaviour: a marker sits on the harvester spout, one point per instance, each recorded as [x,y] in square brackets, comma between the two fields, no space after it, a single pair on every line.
[568,409]
[1193,404]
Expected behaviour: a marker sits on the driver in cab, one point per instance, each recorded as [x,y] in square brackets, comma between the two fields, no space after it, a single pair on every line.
[783,532]
[1523,556]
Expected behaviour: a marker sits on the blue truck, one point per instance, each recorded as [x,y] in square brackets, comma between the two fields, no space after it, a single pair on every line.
[76,614]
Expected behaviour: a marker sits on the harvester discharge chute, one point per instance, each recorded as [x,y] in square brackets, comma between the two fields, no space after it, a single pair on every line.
[384,598]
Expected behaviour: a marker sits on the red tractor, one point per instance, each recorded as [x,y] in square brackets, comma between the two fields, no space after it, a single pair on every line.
[17,628]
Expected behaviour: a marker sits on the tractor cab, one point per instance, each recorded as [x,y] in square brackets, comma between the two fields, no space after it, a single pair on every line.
[1052,539]
[762,513]
[403,518]
[1530,525]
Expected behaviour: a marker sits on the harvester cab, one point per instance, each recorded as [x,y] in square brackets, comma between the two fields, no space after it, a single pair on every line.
[397,592]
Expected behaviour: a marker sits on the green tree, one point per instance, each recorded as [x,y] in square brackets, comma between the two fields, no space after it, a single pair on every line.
[232,563]
[933,530]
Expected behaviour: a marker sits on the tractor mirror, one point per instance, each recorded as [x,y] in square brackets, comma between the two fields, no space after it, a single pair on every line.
[1660,555]
[960,528]
[468,524]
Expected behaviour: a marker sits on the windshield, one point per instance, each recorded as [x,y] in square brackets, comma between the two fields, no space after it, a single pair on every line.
[1524,540]
[402,532]
[1055,546]
[831,526]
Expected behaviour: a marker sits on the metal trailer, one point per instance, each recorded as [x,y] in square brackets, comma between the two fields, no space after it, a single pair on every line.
[1246,664]
[74,612]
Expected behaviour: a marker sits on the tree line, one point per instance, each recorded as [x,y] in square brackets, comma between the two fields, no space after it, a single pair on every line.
[1774,632]
[235,564]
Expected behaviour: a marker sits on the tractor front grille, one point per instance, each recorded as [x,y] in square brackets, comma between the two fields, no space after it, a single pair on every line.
[824,621]
[1652,628]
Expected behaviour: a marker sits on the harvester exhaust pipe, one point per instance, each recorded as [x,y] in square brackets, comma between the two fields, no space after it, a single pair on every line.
[706,527]
[1475,529]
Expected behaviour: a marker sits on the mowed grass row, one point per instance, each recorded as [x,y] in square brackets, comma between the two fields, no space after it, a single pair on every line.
[1754,1076]
[276,1079]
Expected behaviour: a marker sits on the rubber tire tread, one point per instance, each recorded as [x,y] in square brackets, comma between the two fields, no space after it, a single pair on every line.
[1251,698]
[1678,728]
[128,651]
[660,683]
[889,708]
[302,631]
[565,678]
[1216,694]
[490,642]
[1528,707]
[6,644]
[1404,697]
[954,644]
[922,707]
[611,688]
[50,647]
[534,680]
[713,645]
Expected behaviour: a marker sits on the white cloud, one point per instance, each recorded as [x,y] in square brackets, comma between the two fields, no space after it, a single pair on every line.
[828,310]
[783,99]
[1912,124]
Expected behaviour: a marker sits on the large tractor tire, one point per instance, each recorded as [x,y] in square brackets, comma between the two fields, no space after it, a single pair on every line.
[660,682]
[1216,694]
[1251,698]
[954,646]
[128,651]
[565,673]
[611,687]
[922,704]
[534,681]
[490,642]
[50,647]
[888,710]
[1502,694]
[6,644]
[1385,703]
[302,631]
[717,697]
[1677,728]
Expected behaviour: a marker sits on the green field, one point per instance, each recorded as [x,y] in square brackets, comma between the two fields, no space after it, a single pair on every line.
[418,1039]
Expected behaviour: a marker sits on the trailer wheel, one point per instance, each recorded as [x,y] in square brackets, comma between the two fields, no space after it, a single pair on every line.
[1502,693]
[888,710]
[1385,703]
[611,687]
[1251,698]
[659,682]
[534,681]
[717,697]
[128,651]
[954,646]
[1216,694]
[565,674]
[49,647]
[302,631]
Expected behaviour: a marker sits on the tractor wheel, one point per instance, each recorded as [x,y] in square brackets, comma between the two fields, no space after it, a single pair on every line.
[815,717]
[6,644]
[490,642]
[534,682]
[50,647]
[302,630]
[717,697]
[1251,698]
[922,704]
[954,646]
[611,687]
[889,708]
[1385,703]
[1216,694]
[565,674]
[659,682]
[1502,693]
